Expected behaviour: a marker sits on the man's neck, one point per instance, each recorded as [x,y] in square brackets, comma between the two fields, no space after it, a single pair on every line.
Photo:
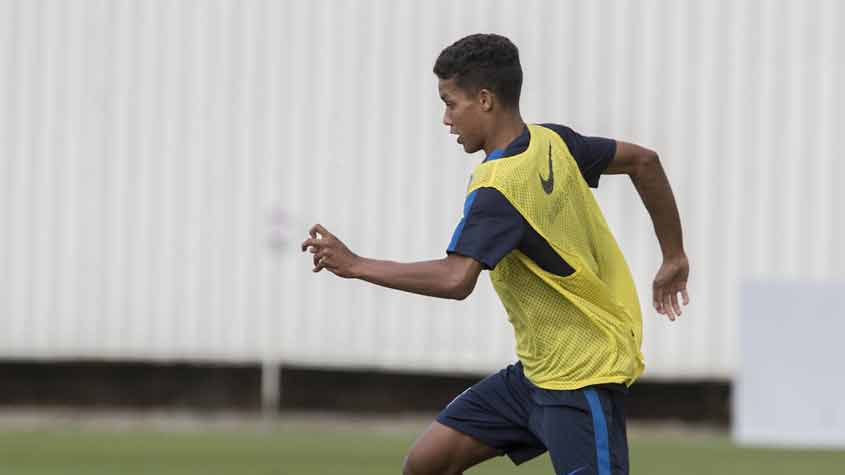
[506,131]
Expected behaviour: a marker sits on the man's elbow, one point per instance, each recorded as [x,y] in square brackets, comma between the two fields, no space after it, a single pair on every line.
[461,288]
[460,276]
[647,162]
[460,292]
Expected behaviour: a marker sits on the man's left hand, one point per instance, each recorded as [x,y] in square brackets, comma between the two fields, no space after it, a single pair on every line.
[670,281]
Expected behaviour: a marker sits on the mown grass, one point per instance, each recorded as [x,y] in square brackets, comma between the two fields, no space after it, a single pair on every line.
[306,450]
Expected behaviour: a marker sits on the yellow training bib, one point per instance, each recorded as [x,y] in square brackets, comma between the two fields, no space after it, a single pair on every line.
[578,330]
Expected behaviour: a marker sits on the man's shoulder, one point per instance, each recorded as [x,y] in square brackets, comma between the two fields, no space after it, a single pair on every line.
[564,132]
[520,144]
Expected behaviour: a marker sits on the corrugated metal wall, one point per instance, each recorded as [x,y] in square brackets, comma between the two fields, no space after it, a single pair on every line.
[162,160]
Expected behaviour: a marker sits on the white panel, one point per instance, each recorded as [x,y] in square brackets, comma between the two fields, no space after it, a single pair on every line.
[160,162]
[785,395]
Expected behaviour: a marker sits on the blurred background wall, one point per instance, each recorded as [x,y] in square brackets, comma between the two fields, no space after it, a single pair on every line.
[161,161]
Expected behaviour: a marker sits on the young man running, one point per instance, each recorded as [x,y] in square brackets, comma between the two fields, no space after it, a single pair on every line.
[531,220]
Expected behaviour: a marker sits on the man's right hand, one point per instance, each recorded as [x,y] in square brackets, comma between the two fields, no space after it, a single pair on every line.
[671,280]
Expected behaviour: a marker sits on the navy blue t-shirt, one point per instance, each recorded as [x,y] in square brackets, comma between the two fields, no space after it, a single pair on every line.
[491,227]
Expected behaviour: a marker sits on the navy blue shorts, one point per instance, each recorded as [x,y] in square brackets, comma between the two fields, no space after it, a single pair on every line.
[583,429]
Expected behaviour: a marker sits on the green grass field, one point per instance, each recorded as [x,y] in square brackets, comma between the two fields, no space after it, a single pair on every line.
[308,449]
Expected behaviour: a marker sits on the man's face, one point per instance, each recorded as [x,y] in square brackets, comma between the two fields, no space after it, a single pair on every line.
[463,115]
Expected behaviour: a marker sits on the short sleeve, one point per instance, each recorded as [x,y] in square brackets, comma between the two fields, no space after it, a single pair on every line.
[593,154]
[490,229]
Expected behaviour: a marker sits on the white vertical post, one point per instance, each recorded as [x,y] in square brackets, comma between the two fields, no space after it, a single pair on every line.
[271,387]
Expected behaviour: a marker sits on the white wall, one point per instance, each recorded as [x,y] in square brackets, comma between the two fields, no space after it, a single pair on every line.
[160,162]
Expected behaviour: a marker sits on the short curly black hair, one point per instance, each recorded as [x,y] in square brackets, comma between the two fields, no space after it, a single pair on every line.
[483,61]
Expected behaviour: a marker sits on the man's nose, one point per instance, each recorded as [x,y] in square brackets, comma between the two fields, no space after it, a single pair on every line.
[446,119]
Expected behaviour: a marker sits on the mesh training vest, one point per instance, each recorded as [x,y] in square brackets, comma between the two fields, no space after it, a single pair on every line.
[573,331]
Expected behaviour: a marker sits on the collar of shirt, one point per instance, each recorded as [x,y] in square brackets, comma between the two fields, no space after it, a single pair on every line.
[518,145]
[495,154]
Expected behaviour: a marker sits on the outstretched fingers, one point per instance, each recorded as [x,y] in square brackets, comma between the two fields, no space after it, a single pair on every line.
[667,305]
[318,229]
[318,240]
[670,302]
[312,244]
[320,260]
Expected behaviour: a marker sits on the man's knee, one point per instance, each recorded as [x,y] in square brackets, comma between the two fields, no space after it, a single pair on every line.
[417,462]
[411,466]
[442,450]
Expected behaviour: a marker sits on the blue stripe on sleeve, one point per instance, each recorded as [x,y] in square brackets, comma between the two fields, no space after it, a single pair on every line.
[457,234]
[600,430]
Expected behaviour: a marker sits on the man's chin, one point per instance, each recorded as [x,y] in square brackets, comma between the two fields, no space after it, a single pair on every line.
[470,149]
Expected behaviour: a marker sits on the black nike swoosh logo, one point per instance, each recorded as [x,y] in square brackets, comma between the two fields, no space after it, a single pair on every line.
[549,184]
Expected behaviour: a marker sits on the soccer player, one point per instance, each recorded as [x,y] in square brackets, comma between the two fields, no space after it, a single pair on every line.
[531,220]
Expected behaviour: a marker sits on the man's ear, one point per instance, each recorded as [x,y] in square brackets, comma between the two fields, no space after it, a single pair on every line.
[485,99]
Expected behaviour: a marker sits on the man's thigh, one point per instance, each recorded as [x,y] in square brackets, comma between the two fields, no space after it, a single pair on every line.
[569,436]
[586,437]
[497,411]
[443,450]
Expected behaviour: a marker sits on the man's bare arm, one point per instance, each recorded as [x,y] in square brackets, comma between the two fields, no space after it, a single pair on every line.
[643,167]
[453,277]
